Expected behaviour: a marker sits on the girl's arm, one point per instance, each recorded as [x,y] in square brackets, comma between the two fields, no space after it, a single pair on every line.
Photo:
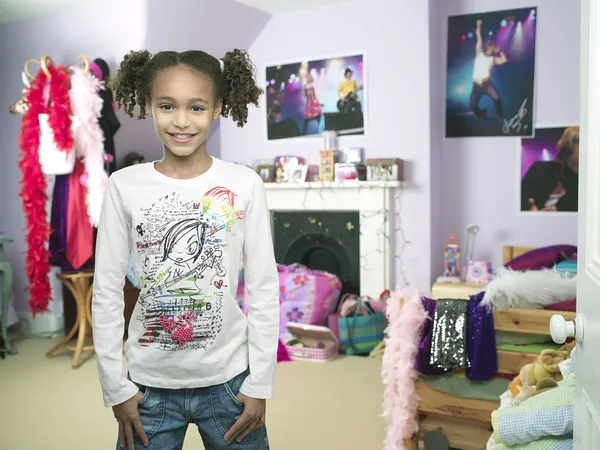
[112,260]
[262,282]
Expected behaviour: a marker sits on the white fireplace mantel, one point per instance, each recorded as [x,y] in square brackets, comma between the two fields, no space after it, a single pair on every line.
[373,200]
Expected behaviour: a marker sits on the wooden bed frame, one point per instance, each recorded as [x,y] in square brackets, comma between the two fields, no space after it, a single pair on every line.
[467,422]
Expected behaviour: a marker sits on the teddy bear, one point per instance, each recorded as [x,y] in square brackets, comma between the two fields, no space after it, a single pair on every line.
[543,374]
[545,368]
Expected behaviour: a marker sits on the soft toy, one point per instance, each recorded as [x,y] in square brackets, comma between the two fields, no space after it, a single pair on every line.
[546,367]
[526,392]
[544,385]
[515,386]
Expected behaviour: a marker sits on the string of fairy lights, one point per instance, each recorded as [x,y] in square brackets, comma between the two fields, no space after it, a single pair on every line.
[398,241]
[401,241]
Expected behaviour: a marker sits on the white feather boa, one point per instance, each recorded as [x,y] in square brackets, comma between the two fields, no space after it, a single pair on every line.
[398,373]
[529,289]
[89,138]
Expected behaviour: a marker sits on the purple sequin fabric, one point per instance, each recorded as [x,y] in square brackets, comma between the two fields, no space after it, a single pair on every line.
[480,358]
[449,336]
[481,338]
[422,362]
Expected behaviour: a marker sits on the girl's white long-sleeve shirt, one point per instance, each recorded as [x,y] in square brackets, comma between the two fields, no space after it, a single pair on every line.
[187,239]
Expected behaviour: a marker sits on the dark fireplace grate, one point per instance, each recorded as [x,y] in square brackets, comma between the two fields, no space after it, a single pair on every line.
[321,240]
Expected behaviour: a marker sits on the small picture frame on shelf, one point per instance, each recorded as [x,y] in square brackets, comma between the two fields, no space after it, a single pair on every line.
[297,174]
[266,172]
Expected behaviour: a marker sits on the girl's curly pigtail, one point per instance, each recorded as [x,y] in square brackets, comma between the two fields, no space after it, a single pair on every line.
[128,83]
[239,86]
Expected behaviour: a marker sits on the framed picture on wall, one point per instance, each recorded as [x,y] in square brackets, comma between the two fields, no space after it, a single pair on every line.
[490,73]
[305,98]
[549,171]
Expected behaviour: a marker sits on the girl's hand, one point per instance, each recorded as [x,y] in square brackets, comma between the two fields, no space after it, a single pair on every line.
[252,418]
[128,416]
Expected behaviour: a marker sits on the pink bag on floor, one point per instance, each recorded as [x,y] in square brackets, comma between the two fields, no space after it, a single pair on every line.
[305,296]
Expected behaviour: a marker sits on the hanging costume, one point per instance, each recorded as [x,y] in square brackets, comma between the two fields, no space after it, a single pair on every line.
[109,123]
[33,182]
[77,199]
[87,105]
[58,223]
[80,234]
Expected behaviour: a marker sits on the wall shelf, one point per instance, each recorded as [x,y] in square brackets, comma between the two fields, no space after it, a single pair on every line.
[336,185]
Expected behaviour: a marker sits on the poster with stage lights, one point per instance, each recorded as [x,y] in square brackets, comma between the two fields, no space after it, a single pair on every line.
[310,97]
[549,170]
[490,74]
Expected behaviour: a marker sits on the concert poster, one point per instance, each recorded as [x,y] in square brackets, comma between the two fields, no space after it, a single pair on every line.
[549,171]
[490,73]
[306,98]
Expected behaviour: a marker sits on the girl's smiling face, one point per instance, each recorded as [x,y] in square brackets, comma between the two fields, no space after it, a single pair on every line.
[183,107]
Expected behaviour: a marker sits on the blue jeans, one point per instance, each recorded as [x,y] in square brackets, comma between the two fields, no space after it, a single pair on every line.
[166,414]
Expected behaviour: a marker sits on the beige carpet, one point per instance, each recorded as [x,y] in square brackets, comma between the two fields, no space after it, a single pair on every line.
[47,405]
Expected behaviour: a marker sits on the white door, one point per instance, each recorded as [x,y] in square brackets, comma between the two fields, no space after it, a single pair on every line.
[587,403]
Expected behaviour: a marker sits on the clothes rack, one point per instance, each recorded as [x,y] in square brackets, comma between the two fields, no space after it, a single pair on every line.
[18,107]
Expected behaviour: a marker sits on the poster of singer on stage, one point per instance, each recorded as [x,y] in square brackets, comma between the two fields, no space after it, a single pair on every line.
[307,98]
[490,79]
[550,170]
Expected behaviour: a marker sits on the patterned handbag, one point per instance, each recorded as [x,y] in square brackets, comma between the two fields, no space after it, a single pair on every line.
[334,317]
[361,334]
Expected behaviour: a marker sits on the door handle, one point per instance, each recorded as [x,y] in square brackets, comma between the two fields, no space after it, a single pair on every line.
[561,329]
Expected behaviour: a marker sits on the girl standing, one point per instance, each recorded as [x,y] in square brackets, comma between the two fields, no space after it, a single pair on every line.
[193,357]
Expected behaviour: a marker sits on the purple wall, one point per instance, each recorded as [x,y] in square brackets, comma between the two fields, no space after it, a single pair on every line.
[480,176]
[436,49]
[393,36]
[64,35]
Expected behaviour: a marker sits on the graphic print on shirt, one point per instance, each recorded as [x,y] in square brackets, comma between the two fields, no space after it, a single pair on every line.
[182,245]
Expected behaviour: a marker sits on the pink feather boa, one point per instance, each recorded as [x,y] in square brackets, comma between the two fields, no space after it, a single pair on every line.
[87,106]
[398,373]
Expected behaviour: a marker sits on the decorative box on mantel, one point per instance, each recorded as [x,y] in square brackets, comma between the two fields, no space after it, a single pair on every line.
[374,204]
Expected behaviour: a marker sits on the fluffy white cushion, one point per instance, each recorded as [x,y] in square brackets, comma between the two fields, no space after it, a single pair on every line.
[530,289]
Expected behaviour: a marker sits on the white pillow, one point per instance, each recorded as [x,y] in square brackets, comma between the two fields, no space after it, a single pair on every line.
[531,289]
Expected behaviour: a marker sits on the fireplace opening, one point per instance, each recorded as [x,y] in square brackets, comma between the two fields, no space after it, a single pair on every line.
[321,240]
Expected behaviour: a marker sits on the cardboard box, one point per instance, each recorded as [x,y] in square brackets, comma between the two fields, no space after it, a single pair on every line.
[385,169]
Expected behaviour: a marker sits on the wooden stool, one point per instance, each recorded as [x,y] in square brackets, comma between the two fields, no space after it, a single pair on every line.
[80,284]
